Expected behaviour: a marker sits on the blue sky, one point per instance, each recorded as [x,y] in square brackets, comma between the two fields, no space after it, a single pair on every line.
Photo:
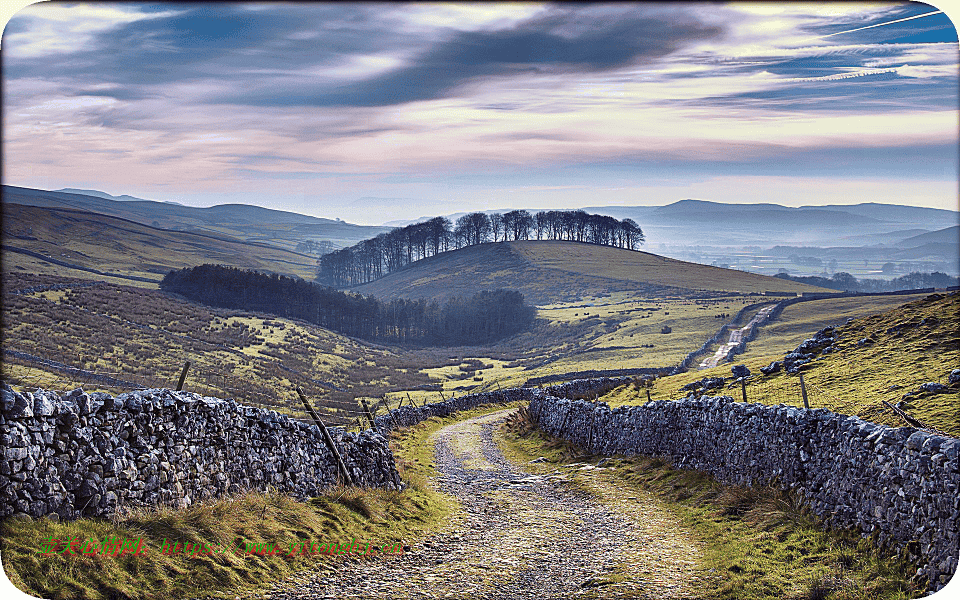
[328,109]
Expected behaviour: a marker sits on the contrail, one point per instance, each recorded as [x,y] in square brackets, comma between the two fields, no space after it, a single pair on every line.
[936,12]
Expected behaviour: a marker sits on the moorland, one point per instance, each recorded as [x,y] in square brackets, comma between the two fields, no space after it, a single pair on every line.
[82,306]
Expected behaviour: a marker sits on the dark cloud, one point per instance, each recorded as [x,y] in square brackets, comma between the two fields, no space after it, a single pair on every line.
[565,40]
[224,42]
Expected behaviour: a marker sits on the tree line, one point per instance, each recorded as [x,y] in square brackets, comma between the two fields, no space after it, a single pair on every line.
[480,319]
[843,281]
[388,252]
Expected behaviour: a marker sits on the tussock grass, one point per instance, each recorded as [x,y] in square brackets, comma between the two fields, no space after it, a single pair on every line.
[757,543]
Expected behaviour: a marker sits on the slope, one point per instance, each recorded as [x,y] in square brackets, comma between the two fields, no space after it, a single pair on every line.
[884,356]
[557,271]
[90,243]
[246,222]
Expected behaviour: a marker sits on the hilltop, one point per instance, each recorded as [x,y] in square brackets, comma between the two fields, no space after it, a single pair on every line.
[73,242]
[241,221]
[559,271]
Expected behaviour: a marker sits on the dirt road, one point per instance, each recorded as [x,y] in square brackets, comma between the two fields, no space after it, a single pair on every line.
[522,535]
[736,336]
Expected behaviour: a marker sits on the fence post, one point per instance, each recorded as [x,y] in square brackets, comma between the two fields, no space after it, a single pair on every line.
[803,392]
[411,400]
[183,375]
[743,385]
[366,409]
[326,437]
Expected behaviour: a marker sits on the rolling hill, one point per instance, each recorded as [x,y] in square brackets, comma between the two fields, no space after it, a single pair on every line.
[78,243]
[251,223]
[558,271]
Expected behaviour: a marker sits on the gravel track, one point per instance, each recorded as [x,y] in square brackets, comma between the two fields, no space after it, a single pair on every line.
[520,535]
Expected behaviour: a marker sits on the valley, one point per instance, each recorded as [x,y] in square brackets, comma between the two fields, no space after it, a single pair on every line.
[89,313]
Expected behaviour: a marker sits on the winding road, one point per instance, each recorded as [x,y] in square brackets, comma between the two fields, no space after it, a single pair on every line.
[522,535]
[737,336]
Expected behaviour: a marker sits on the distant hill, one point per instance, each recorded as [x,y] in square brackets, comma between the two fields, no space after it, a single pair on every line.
[693,222]
[123,198]
[279,228]
[950,235]
[77,243]
[554,271]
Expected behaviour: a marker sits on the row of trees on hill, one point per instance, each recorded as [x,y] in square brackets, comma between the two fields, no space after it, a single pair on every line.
[483,318]
[384,254]
[846,282]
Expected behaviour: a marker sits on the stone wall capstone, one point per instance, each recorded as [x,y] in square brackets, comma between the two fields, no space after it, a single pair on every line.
[83,454]
[902,484]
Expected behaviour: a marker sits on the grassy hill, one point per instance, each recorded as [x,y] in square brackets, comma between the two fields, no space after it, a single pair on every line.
[122,337]
[92,243]
[557,271]
[906,346]
[250,223]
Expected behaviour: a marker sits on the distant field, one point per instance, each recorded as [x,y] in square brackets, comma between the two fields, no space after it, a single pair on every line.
[116,246]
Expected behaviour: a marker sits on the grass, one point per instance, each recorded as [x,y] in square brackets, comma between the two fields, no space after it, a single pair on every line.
[144,337]
[755,543]
[343,514]
[799,321]
[859,378]
[115,245]
[555,271]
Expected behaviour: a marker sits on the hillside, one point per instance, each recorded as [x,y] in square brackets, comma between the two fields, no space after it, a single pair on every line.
[250,223]
[554,271]
[84,243]
[884,356]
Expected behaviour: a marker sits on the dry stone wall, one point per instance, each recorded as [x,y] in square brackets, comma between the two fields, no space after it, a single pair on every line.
[85,454]
[405,416]
[902,484]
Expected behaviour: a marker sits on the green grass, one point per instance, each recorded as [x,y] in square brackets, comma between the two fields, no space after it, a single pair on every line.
[341,515]
[859,378]
[798,321]
[756,543]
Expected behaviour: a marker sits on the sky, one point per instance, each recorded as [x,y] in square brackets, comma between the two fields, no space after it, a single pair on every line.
[378,112]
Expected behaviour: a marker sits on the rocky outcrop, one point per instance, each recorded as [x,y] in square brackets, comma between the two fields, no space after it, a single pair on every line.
[85,454]
[901,484]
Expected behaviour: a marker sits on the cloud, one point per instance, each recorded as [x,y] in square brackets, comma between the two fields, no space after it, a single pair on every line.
[564,39]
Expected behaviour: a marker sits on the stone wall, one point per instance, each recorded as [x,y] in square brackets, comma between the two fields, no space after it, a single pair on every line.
[901,483]
[89,454]
[405,416]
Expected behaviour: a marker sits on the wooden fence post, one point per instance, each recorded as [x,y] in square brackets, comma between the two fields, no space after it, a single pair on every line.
[803,392]
[366,409]
[326,437]
[183,376]
[743,385]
